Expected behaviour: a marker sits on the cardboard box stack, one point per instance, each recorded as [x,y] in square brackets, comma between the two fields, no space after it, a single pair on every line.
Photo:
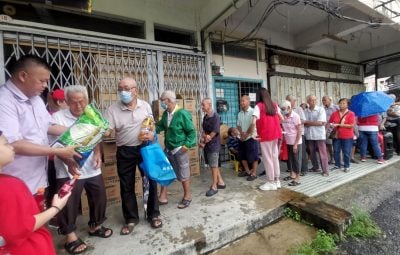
[110,177]
[190,106]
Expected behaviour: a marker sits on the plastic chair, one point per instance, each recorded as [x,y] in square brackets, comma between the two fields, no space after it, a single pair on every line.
[234,161]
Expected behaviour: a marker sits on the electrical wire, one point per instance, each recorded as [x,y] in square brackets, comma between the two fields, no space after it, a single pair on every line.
[334,11]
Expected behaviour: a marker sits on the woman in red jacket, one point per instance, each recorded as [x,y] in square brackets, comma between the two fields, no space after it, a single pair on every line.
[342,121]
[266,117]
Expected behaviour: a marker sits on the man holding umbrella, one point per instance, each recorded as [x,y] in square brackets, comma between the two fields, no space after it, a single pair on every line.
[366,106]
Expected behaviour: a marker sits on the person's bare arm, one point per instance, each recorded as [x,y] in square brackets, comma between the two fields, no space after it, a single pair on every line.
[26,148]
[56,130]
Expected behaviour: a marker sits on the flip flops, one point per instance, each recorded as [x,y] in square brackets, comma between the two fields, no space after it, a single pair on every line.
[288,178]
[294,183]
[162,202]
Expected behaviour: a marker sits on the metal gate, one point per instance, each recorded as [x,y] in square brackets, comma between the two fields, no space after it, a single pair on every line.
[231,90]
[99,64]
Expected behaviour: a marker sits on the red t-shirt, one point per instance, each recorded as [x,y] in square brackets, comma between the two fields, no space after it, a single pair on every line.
[17,211]
[343,133]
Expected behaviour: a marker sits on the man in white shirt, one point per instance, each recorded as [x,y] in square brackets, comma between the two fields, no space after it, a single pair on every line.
[316,135]
[90,179]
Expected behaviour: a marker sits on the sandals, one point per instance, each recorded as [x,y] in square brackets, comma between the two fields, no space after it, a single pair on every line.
[251,178]
[294,183]
[101,232]
[162,202]
[155,222]
[288,178]
[72,247]
[184,203]
[129,227]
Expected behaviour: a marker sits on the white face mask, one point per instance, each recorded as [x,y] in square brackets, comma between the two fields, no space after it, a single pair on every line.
[125,96]
[164,105]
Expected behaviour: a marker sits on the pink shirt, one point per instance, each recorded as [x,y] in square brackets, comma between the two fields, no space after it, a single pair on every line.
[23,118]
[290,124]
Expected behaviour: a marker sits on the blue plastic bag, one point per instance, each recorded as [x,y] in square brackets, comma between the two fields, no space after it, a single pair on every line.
[156,164]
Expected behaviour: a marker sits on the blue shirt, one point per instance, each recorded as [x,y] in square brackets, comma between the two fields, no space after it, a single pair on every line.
[233,143]
[211,124]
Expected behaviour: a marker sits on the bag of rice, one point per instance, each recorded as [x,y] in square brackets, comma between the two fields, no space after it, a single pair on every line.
[87,131]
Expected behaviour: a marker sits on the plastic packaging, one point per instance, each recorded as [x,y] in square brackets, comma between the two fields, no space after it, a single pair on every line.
[68,186]
[87,131]
[147,126]
[40,199]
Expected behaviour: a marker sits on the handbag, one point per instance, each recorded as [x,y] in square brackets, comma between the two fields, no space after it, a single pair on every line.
[334,133]
[156,164]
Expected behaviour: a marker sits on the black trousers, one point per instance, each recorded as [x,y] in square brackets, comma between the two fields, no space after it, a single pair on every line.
[51,190]
[128,157]
[96,194]
[304,155]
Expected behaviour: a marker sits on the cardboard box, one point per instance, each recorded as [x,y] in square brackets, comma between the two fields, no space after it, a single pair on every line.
[190,106]
[179,102]
[194,153]
[194,168]
[109,151]
[109,169]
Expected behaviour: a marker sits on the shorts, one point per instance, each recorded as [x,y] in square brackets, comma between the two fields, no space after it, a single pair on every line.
[180,163]
[212,159]
[248,150]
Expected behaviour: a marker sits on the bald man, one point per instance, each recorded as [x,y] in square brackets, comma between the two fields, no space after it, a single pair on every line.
[126,117]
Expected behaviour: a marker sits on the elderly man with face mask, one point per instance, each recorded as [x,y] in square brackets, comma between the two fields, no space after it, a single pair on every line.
[126,117]
[90,179]
[180,135]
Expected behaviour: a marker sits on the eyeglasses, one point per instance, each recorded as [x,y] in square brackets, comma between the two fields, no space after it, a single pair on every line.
[126,89]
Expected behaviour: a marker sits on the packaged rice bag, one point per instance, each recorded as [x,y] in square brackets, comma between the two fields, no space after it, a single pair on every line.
[87,131]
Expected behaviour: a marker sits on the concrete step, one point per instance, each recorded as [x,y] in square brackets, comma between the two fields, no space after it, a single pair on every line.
[211,222]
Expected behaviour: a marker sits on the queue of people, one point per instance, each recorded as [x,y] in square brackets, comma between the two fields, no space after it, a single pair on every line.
[26,124]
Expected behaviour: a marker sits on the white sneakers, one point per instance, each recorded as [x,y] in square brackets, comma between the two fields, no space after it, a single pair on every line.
[278,184]
[268,186]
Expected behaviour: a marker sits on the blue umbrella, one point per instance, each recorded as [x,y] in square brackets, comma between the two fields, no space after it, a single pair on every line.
[370,103]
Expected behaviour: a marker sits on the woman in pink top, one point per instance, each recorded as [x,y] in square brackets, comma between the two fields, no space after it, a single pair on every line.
[292,127]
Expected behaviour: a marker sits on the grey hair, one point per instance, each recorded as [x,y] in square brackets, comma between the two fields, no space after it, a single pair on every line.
[75,89]
[207,99]
[289,97]
[329,97]
[286,104]
[169,94]
[308,97]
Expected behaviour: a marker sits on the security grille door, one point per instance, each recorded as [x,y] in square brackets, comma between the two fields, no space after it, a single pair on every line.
[100,63]
[228,91]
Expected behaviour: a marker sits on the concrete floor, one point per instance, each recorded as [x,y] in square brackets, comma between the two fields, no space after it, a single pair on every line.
[210,222]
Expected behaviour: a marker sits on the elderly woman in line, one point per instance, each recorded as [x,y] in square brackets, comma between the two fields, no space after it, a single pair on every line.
[292,126]
[342,121]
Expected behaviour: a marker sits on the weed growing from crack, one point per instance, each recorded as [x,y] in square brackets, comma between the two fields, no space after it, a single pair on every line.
[322,244]
[295,215]
[362,226]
